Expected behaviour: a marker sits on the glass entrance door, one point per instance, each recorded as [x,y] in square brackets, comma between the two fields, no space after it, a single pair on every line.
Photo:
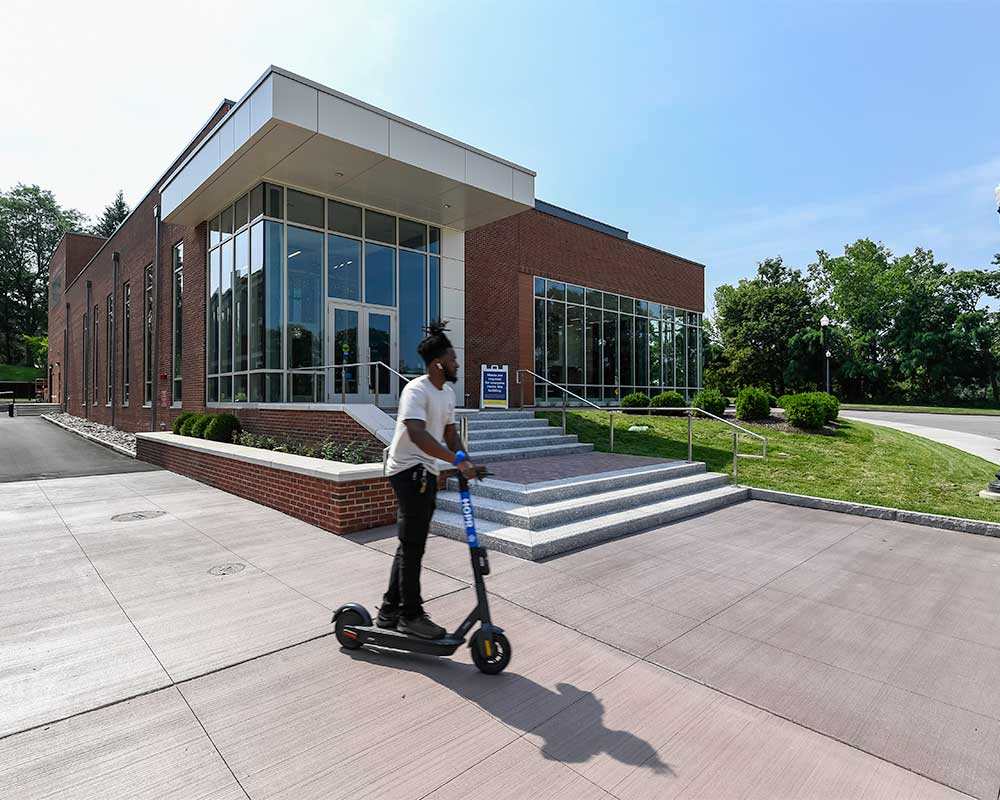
[356,334]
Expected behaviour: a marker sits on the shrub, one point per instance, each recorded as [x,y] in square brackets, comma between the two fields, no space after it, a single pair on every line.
[222,428]
[783,401]
[830,404]
[806,411]
[635,400]
[180,420]
[668,400]
[773,401]
[753,403]
[200,424]
[187,426]
[711,401]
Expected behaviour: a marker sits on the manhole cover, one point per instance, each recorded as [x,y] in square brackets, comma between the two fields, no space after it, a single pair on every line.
[227,569]
[132,516]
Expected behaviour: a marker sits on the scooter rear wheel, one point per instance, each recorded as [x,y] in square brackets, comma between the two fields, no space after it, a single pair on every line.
[498,659]
[348,639]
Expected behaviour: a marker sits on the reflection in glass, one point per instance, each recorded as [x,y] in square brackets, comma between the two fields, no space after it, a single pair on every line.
[226,308]
[692,356]
[434,288]
[274,295]
[555,343]
[213,312]
[256,302]
[574,294]
[380,275]
[625,350]
[380,349]
[343,268]
[274,201]
[242,209]
[610,349]
[539,287]
[412,234]
[380,227]
[345,351]
[680,358]
[555,290]
[412,304]
[655,354]
[435,240]
[344,218]
[305,208]
[305,306]
[641,357]
[227,222]
[595,369]
[241,300]
[574,344]
[540,305]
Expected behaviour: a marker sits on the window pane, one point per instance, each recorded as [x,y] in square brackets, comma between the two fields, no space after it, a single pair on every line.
[641,356]
[595,368]
[273,201]
[213,312]
[668,355]
[540,337]
[434,288]
[574,345]
[275,385]
[680,356]
[380,349]
[127,340]
[214,231]
[435,240]
[242,210]
[344,268]
[539,287]
[256,201]
[227,222]
[555,290]
[148,336]
[692,357]
[305,208]
[380,227]
[555,344]
[595,298]
[213,390]
[611,302]
[574,294]
[642,307]
[256,387]
[655,352]
[305,303]
[412,235]
[412,302]
[345,351]
[610,349]
[625,350]
[226,389]
[380,275]
[258,311]
[226,308]
[240,388]
[655,310]
[241,311]
[300,388]
[344,218]
[627,305]
[178,321]
[273,295]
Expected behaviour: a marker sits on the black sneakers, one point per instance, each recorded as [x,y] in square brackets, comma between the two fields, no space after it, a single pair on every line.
[421,627]
[387,619]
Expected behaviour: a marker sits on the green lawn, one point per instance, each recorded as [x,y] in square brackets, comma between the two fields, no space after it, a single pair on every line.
[860,463]
[11,373]
[923,409]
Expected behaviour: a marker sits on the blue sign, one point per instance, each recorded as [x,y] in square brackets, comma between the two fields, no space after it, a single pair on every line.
[493,387]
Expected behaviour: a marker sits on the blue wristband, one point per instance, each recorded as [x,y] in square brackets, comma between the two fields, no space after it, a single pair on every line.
[460,456]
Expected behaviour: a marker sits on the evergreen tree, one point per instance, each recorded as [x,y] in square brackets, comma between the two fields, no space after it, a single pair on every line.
[113,216]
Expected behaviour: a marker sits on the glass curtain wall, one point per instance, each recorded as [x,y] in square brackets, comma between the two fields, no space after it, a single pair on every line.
[603,346]
[276,256]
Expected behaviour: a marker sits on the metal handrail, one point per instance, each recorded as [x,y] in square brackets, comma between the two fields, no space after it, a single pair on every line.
[689,410]
[343,384]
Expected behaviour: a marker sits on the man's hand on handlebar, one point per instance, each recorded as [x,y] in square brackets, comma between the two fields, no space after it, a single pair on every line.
[471,471]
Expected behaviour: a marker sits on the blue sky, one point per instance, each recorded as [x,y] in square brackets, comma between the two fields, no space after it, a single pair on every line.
[724,132]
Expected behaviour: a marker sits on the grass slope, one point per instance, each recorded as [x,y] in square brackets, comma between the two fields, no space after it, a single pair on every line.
[12,373]
[860,463]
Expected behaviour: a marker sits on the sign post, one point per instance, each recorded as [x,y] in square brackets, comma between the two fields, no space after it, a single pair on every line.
[493,386]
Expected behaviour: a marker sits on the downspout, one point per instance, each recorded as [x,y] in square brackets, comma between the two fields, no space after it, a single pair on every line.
[87,336]
[113,365]
[64,367]
[156,316]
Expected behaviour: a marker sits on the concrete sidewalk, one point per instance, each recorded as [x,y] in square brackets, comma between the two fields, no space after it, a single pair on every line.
[760,651]
[958,431]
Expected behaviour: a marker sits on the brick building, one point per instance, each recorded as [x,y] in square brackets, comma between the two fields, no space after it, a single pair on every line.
[303,239]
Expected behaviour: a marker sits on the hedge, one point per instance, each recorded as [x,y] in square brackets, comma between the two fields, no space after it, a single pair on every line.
[753,403]
[222,428]
[806,410]
[668,400]
[710,400]
[200,424]
[635,400]
[181,419]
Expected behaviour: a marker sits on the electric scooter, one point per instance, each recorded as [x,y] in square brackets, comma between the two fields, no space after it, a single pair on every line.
[490,649]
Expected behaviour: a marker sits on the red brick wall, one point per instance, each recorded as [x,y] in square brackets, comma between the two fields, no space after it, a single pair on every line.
[336,507]
[501,259]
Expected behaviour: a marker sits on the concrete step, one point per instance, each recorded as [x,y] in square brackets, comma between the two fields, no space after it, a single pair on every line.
[492,456]
[514,442]
[559,512]
[497,415]
[580,486]
[535,545]
[35,409]
[478,424]
[511,430]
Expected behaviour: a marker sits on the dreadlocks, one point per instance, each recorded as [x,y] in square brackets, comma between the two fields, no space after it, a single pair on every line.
[435,344]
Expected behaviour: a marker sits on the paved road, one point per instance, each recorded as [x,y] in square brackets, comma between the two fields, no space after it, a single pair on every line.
[963,423]
[760,650]
[978,435]
[31,448]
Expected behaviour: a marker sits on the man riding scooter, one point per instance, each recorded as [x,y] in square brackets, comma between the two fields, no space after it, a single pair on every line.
[426,418]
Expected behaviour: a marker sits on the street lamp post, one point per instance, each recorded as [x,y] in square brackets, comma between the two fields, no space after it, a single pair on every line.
[824,324]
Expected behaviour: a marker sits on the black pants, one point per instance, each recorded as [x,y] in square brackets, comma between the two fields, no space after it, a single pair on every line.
[416,492]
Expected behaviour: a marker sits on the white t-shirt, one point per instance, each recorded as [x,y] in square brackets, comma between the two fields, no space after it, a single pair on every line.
[420,399]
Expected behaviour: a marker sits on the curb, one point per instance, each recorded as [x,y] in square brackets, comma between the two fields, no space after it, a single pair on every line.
[92,438]
[959,524]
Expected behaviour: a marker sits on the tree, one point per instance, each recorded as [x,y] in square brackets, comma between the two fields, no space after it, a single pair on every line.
[38,349]
[112,216]
[757,322]
[31,224]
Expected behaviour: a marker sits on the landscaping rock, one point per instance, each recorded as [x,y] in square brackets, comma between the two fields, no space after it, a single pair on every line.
[102,434]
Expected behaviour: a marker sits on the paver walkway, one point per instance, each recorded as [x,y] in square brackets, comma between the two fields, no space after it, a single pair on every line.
[760,651]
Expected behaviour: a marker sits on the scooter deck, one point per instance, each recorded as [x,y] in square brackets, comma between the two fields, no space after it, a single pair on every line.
[386,637]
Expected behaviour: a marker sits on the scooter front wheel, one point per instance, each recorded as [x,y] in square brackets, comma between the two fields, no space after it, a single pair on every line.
[348,639]
[490,658]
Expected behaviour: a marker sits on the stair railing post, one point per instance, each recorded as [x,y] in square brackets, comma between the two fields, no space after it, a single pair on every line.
[521,384]
[463,433]
[690,437]
[343,386]
[377,364]
[736,459]
[565,398]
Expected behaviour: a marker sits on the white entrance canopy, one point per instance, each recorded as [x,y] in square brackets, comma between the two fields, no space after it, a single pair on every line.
[291,130]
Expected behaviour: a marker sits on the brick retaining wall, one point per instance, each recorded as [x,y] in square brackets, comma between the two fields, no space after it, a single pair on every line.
[336,506]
